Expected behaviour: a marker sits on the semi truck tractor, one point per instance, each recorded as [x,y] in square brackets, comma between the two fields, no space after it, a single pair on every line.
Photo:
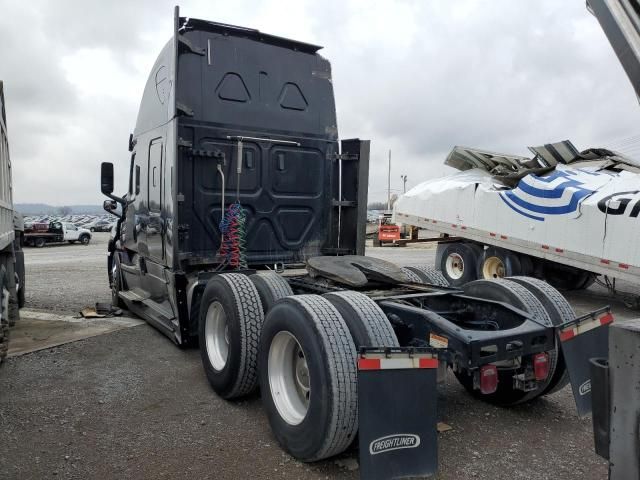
[12,284]
[242,231]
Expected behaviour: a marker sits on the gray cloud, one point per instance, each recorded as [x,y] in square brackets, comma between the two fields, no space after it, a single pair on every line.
[415,77]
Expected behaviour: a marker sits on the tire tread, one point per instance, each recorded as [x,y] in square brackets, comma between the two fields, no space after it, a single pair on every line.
[374,320]
[277,286]
[247,302]
[429,275]
[341,353]
[564,312]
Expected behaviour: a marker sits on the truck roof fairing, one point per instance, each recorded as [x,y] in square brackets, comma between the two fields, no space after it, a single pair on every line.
[163,97]
[187,23]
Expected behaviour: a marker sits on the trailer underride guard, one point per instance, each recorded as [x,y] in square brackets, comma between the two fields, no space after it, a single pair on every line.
[243,231]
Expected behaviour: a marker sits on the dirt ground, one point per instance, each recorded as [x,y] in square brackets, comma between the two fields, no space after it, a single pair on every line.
[130,404]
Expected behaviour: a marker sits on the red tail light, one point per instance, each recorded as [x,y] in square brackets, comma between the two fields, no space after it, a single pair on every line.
[488,379]
[541,366]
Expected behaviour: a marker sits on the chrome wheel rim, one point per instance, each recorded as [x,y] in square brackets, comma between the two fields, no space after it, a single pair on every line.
[454,266]
[493,267]
[217,336]
[115,278]
[289,378]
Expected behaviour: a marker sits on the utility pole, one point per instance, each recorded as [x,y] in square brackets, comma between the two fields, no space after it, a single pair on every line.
[404,183]
[389,184]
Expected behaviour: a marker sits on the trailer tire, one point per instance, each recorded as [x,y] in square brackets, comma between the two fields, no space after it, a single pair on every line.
[527,267]
[559,311]
[313,412]
[564,277]
[367,323]
[22,294]
[429,275]
[514,294]
[458,262]
[13,313]
[411,275]
[498,263]
[39,242]
[85,239]
[271,288]
[14,309]
[231,319]
[4,313]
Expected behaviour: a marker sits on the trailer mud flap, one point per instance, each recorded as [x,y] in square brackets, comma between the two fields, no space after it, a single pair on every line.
[581,340]
[397,400]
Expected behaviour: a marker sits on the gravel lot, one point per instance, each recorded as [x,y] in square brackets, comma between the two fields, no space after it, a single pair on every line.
[130,404]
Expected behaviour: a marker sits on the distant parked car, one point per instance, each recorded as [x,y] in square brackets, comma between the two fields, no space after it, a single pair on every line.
[100,226]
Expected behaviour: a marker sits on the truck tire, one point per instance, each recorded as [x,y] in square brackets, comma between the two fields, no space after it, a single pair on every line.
[458,262]
[39,242]
[367,323]
[498,263]
[14,309]
[85,239]
[411,275]
[115,279]
[514,294]
[559,311]
[10,271]
[527,265]
[271,288]
[308,377]
[21,285]
[231,319]
[429,275]
[22,293]
[4,314]
[564,277]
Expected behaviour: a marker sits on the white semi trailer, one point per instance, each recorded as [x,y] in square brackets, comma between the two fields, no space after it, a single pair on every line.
[562,215]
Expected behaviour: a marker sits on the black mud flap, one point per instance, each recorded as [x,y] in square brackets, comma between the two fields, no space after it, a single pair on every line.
[397,400]
[581,340]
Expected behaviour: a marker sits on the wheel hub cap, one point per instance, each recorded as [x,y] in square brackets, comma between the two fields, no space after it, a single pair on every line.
[455,266]
[493,268]
[289,378]
[217,336]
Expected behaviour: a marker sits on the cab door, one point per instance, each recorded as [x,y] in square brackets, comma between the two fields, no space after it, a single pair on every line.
[154,228]
[71,232]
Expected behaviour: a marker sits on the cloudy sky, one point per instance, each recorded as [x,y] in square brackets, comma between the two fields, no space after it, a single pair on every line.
[416,77]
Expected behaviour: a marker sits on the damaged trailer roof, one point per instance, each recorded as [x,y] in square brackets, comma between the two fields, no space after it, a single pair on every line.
[509,169]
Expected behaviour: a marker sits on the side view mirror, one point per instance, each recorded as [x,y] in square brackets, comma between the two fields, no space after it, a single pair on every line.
[106,182]
[109,205]
[106,178]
